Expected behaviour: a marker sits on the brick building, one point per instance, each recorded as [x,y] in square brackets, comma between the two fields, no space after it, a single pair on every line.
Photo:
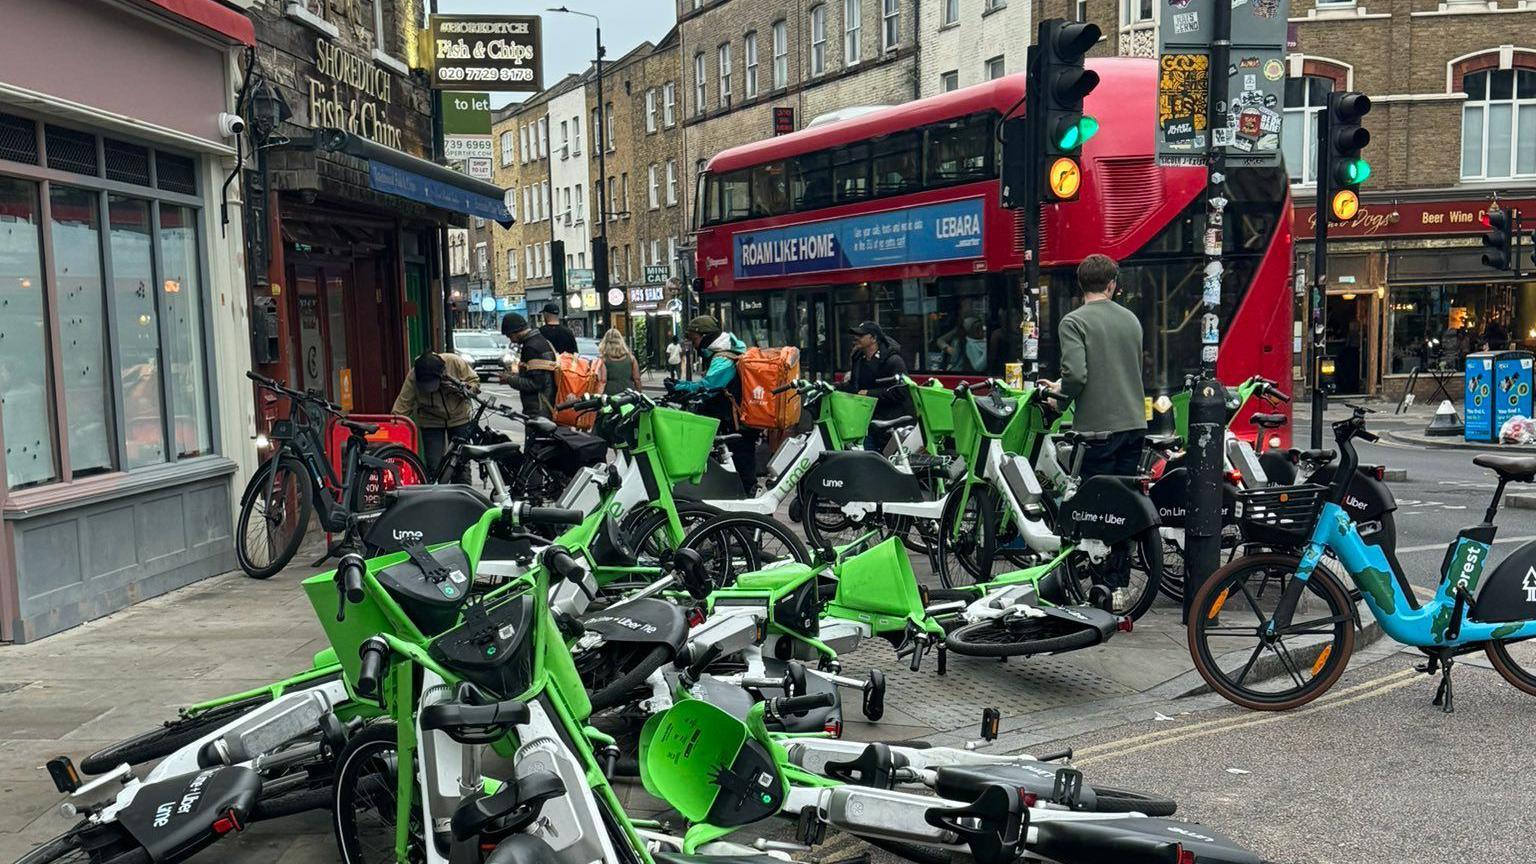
[522,167]
[1450,84]
[741,61]
[965,42]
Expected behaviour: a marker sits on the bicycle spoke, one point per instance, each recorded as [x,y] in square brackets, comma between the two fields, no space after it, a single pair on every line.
[1307,627]
[1287,661]
[1242,676]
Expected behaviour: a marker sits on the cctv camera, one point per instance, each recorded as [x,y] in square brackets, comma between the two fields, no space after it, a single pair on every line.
[231,125]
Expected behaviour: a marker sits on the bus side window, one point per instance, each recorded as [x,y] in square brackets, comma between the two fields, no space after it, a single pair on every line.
[850,173]
[811,181]
[734,196]
[896,164]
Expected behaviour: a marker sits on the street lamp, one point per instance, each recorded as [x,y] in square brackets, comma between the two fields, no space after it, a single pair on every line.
[600,260]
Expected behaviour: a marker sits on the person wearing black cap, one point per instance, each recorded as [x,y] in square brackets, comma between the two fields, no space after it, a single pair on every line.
[440,413]
[560,336]
[532,375]
[875,357]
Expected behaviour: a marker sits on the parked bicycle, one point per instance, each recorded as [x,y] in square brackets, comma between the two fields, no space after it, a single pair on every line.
[1282,611]
[297,478]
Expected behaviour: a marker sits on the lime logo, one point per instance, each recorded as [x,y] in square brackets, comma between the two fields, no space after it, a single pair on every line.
[616,509]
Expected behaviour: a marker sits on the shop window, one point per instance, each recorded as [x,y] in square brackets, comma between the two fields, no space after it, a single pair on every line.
[25,406]
[175,173]
[137,329]
[72,151]
[1440,324]
[18,139]
[1498,124]
[1303,97]
[182,304]
[76,227]
[126,163]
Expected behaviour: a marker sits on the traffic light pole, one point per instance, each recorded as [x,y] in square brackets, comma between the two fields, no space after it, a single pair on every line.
[1032,190]
[1320,271]
[1208,401]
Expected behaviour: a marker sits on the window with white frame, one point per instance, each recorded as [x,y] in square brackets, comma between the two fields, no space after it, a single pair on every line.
[650,110]
[780,55]
[749,43]
[1498,124]
[890,25]
[512,274]
[608,124]
[818,39]
[576,135]
[482,258]
[596,130]
[655,252]
[853,20]
[546,201]
[994,5]
[624,194]
[672,255]
[565,198]
[507,150]
[951,13]
[543,137]
[669,104]
[949,81]
[581,204]
[671,183]
[1082,11]
[613,206]
[655,199]
[581,260]
[522,138]
[724,59]
[700,85]
[545,262]
[994,68]
[1303,97]
[1143,11]
[565,139]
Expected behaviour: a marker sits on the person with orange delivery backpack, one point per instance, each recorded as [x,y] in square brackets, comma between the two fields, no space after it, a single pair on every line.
[721,389]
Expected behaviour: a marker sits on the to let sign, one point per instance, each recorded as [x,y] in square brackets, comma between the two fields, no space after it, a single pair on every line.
[783,121]
[485,52]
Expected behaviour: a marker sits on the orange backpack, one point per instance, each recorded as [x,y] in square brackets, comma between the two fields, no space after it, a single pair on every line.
[575,377]
[762,370]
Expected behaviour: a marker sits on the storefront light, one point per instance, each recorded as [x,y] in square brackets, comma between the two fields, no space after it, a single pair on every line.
[172,286]
[144,319]
[1349,296]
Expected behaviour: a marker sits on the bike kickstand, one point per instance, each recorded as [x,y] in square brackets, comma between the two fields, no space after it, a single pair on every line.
[1443,693]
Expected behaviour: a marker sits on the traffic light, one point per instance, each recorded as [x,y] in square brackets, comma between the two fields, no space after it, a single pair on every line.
[1346,170]
[1064,128]
[1497,240]
[557,265]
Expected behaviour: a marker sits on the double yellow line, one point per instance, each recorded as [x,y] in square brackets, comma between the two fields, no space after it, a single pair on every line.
[1334,699]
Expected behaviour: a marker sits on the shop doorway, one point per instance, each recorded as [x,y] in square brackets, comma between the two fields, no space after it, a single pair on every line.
[812,324]
[1349,333]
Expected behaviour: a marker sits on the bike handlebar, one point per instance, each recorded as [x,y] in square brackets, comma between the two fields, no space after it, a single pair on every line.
[783,388]
[524,513]
[560,564]
[373,653]
[783,705]
[350,570]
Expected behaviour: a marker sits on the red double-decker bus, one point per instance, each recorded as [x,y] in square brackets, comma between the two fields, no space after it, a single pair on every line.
[893,216]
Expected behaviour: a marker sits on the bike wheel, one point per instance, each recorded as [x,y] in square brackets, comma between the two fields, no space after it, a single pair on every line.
[89,844]
[1227,622]
[734,543]
[1019,635]
[1172,584]
[1141,582]
[967,537]
[273,517]
[612,672]
[646,529]
[167,739]
[375,483]
[827,526]
[1516,661]
[1111,800]
[363,811]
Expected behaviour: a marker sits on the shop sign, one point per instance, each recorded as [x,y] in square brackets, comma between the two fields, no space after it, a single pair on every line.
[349,91]
[1405,219]
[494,52]
[783,121]
[590,301]
[466,126]
[935,232]
[417,187]
[646,295]
[655,274]
[579,278]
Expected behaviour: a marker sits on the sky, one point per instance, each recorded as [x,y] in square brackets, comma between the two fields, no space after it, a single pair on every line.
[569,42]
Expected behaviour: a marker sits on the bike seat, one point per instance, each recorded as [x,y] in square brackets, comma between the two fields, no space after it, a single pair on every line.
[1323,456]
[542,425]
[1268,421]
[1086,438]
[893,423]
[360,428]
[1517,469]
[1164,443]
[490,451]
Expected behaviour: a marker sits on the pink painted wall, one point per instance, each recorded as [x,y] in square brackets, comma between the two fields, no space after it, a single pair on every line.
[99,54]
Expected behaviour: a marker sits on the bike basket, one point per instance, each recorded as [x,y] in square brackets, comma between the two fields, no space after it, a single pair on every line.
[935,406]
[683,441]
[1279,515]
[851,414]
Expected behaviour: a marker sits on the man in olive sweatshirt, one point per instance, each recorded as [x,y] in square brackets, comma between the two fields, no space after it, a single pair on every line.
[1101,371]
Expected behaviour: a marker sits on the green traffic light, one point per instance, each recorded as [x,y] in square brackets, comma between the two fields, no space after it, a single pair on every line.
[1361,171]
[1077,134]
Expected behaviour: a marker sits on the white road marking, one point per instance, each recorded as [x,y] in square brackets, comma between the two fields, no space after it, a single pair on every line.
[1403,550]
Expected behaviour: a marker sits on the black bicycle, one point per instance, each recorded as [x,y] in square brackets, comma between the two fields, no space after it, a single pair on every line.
[297,478]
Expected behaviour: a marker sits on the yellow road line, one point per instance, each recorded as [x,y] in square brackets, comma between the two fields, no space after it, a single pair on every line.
[1325,698]
[1252,721]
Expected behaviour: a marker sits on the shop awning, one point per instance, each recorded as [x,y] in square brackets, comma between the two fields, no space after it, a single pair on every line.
[209,15]
[396,173]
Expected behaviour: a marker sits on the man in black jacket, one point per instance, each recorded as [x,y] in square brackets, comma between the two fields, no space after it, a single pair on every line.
[560,336]
[877,357]
[532,375]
